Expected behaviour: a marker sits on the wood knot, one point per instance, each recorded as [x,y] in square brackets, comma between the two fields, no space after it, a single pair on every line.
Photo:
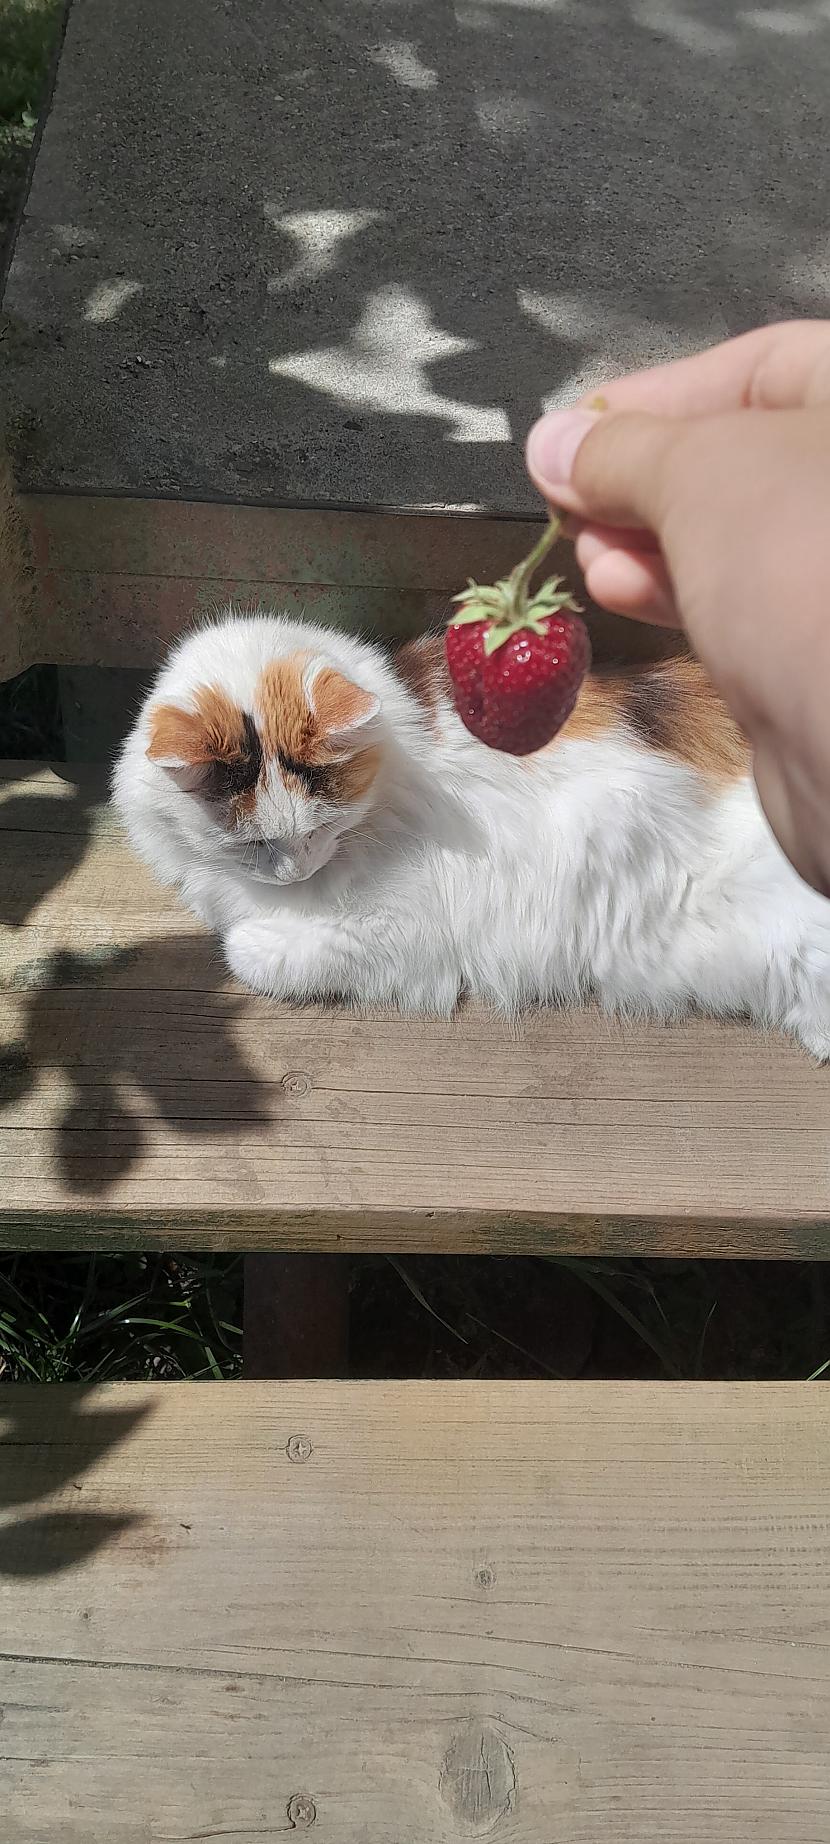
[478,1779]
[296,1083]
[484,1576]
[298,1448]
[302,1811]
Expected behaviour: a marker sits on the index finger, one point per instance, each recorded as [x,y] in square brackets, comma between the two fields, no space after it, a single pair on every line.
[783,367]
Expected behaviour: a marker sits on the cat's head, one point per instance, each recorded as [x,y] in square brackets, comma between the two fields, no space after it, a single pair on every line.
[275,763]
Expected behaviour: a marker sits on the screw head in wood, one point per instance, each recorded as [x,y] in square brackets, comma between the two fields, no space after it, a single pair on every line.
[298,1448]
[302,1811]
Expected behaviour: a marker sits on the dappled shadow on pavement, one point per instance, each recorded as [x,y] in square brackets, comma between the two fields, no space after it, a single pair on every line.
[391,233]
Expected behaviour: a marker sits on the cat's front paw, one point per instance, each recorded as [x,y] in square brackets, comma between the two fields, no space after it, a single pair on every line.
[257,957]
[812,1030]
[809,1017]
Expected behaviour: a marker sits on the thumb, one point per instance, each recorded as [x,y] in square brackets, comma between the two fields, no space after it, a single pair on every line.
[609,468]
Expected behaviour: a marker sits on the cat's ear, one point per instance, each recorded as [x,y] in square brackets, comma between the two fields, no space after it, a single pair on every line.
[179,743]
[345,715]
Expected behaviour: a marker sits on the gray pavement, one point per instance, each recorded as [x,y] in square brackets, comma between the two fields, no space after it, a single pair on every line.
[345,251]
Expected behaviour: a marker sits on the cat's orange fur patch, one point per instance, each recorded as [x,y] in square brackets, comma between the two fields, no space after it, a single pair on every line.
[286,720]
[216,732]
[297,729]
[213,732]
[337,702]
[669,705]
[422,664]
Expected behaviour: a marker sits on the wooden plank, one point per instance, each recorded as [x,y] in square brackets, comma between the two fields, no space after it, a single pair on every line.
[415,1611]
[147,1097]
[118,578]
[196,539]
[17,576]
[118,621]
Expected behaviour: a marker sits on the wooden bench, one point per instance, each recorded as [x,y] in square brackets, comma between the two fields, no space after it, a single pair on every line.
[386,1614]
[415,1611]
[147,1100]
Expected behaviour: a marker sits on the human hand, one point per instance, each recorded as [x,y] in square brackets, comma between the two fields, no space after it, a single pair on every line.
[700,496]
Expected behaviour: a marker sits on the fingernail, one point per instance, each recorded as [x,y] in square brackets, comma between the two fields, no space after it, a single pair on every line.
[554,442]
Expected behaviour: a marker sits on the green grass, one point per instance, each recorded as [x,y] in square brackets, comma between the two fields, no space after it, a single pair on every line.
[27,35]
[71,1318]
[28,32]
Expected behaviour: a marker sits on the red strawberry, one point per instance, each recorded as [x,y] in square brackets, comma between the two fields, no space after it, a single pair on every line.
[517,661]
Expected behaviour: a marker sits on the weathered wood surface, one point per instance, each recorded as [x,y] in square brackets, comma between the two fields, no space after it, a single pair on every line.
[421,1612]
[17,577]
[116,580]
[148,1099]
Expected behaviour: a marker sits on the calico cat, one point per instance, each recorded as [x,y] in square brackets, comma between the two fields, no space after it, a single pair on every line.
[322,807]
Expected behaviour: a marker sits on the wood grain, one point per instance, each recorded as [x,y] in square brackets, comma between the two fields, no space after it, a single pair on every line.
[145,1097]
[118,578]
[529,1612]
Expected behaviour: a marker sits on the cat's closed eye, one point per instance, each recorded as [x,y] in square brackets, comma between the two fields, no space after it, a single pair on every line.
[315,779]
[227,780]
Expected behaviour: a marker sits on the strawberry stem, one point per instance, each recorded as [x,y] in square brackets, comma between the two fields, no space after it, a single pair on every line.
[507,606]
[520,578]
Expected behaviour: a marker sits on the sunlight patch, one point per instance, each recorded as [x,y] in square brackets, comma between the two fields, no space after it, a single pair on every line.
[403,63]
[319,237]
[106,300]
[675,23]
[381,368]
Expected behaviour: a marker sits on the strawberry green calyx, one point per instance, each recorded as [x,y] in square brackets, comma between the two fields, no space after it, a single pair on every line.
[507,606]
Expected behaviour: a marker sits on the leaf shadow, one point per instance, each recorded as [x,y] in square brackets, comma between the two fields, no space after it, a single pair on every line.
[144,1037]
[51,1438]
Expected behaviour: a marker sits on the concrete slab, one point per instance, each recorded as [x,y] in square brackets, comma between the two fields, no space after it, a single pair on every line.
[344,252]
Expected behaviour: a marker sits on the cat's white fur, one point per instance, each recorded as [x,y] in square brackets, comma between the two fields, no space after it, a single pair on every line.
[599,867]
